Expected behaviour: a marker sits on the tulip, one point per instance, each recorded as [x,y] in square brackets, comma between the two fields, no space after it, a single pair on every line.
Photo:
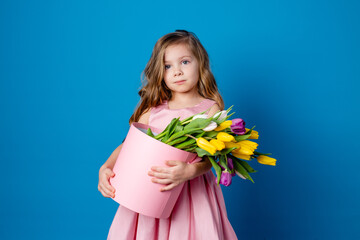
[218,144]
[212,125]
[223,125]
[266,160]
[232,145]
[223,115]
[240,175]
[251,144]
[231,165]
[225,137]
[200,116]
[246,147]
[204,144]
[253,135]
[238,126]
[241,156]
[225,178]
[244,150]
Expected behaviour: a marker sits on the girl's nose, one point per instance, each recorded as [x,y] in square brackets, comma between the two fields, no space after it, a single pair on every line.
[178,72]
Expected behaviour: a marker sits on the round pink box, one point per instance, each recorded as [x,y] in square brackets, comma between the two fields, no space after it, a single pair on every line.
[134,188]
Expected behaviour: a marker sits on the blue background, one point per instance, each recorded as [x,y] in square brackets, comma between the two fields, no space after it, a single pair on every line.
[70,72]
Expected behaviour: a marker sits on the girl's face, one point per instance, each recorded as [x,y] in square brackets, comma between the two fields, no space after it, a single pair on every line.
[181,72]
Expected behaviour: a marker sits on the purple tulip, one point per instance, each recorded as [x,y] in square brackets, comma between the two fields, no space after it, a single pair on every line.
[225,178]
[238,126]
[231,166]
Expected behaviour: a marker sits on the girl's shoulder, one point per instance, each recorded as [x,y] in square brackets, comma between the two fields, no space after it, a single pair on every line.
[144,118]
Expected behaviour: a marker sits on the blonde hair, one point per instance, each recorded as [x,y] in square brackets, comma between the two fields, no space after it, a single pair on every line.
[154,90]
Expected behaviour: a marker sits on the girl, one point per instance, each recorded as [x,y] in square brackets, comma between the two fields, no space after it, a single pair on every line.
[178,83]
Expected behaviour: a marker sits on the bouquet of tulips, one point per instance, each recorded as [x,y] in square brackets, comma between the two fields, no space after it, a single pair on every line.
[225,142]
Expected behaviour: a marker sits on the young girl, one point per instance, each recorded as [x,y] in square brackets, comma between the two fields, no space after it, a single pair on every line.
[178,83]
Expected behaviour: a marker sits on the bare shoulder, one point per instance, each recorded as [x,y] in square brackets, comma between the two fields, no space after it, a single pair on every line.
[144,118]
[214,109]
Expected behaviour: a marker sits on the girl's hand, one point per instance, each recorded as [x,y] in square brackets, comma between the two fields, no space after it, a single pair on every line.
[104,184]
[177,173]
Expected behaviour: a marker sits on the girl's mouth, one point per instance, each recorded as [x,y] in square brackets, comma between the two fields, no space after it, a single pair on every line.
[180,82]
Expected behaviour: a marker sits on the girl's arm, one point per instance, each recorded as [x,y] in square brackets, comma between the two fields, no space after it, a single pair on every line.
[110,162]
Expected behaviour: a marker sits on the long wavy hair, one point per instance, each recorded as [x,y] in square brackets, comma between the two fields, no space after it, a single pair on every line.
[154,90]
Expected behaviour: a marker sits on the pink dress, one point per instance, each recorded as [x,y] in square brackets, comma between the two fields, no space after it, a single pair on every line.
[200,211]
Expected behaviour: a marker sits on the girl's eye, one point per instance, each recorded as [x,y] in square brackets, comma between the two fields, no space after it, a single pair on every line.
[185,62]
[167,67]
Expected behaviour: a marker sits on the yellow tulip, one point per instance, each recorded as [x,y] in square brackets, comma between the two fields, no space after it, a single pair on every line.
[225,137]
[245,149]
[253,135]
[266,160]
[248,143]
[218,144]
[231,145]
[204,144]
[223,125]
[242,156]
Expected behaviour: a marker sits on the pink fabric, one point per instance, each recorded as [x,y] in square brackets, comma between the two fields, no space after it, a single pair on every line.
[200,211]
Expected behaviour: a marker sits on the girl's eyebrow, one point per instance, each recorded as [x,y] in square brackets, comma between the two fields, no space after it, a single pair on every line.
[180,58]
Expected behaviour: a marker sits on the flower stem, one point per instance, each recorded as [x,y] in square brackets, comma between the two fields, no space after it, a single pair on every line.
[188,135]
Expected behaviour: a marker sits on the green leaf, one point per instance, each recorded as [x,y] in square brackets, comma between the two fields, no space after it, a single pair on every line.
[190,149]
[211,134]
[245,136]
[259,153]
[239,168]
[242,137]
[201,152]
[217,169]
[186,144]
[226,151]
[200,134]
[222,162]
[198,123]
[189,118]
[178,128]
[181,133]
[160,135]
[171,128]
[150,133]
[247,166]
[178,140]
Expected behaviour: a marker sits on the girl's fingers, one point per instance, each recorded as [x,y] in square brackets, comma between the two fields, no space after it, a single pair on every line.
[161,181]
[105,181]
[160,169]
[168,187]
[104,185]
[102,192]
[107,191]
[108,186]
[110,189]
[172,162]
[109,173]
[158,175]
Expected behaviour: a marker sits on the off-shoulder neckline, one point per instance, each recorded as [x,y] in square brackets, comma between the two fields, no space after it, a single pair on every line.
[202,101]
